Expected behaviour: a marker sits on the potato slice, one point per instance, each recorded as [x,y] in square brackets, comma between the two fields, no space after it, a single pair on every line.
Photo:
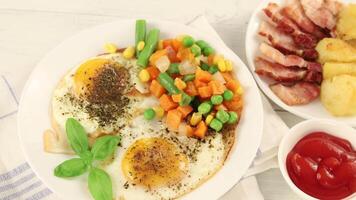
[335,50]
[338,95]
[346,26]
[331,69]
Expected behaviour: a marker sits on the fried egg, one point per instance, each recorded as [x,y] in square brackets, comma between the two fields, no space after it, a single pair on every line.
[151,161]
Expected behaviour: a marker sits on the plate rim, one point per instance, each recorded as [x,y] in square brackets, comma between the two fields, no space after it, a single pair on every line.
[216,194]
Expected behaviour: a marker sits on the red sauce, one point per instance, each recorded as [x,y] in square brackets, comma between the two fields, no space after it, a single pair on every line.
[323,166]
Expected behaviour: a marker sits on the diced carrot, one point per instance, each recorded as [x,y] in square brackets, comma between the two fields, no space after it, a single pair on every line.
[201,129]
[235,104]
[227,76]
[156,89]
[220,107]
[167,103]
[205,92]
[211,59]
[156,55]
[177,97]
[153,71]
[199,84]
[217,87]
[176,44]
[185,54]
[185,110]
[189,130]
[233,85]
[174,118]
[202,75]
[166,43]
[172,54]
[180,83]
[191,90]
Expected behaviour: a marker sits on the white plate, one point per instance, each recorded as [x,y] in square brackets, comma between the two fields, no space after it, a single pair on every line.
[314,110]
[33,117]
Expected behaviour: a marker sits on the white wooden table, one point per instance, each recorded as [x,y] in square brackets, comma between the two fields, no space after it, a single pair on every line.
[30,28]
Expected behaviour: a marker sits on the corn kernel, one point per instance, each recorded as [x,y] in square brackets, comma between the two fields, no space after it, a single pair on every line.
[110,48]
[129,52]
[195,119]
[208,119]
[180,83]
[222,65]
[144,76]
[217,58]
[160,44]
[159,111]
[140,45]
[228,64]
[240,90]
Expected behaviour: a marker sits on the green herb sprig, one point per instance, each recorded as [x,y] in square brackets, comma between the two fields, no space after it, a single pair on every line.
[99,182]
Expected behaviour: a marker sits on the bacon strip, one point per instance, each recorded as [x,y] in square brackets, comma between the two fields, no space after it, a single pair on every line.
[294,11]
[313,77]
[277,39]
[283,23]
[298,94]
[320,13]
[287,60]
[278,72]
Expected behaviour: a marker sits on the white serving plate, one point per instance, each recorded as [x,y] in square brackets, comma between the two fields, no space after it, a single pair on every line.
[33,116]
[313,110]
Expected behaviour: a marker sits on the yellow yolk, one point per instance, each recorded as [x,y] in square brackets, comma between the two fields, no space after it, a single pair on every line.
[154,162]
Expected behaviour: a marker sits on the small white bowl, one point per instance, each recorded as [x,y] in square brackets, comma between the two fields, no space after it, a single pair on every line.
[302,129]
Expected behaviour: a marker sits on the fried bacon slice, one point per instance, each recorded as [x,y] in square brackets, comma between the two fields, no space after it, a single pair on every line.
[278,72]
[321,13]
[298,94]
[294,11]
[287,60]
[284,24]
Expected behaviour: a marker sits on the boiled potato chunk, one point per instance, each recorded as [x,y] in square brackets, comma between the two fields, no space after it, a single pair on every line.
[346,26]
[335,50]
[331,69]
[338,95]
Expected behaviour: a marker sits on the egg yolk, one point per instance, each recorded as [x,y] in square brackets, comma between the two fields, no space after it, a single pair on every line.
[99,80]
[154,162]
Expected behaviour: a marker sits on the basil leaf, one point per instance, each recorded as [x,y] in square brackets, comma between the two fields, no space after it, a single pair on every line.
[105,146]
[77,137]
[99,184]
[70,168]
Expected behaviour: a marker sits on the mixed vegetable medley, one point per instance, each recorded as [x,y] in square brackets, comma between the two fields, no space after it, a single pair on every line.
[194,84]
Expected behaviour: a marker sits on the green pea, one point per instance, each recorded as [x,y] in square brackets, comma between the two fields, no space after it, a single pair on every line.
[188,77]
[216,99]
[213,69]
[233,117]
[223,116]
[216,125]
[204,66]
[228,95]
[208,50]
[149,114]
[188,41]
[195,49]
[173,68]
[202,44]
[204,108]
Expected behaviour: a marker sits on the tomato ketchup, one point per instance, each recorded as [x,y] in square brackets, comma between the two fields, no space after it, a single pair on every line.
[323,166]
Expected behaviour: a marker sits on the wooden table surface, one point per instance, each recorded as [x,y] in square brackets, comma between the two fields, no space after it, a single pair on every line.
[30,28]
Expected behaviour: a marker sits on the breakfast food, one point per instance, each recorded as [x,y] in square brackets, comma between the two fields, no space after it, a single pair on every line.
[150,121]
[346,25]
[335,50]
[288,59]
[323,166]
